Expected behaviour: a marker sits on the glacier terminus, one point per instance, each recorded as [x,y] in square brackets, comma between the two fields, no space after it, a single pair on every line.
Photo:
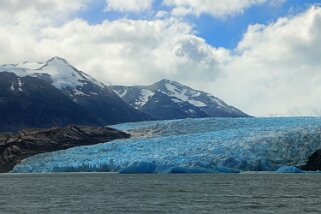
[204,145]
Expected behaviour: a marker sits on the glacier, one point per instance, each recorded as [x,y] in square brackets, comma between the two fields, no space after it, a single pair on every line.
[192,145]
[289,169]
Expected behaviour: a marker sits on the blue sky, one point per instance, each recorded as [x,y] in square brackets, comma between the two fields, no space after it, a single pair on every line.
[219,32]
[228,32]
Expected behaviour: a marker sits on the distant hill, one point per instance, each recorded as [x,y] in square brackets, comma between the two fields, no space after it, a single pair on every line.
[168,99]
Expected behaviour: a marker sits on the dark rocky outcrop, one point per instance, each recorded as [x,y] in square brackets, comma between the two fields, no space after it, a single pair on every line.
[314,162]
[18,146]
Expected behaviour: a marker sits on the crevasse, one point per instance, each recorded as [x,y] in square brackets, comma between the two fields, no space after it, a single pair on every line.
[256,144]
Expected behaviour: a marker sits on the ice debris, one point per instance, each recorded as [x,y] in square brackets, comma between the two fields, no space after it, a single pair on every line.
[289,169]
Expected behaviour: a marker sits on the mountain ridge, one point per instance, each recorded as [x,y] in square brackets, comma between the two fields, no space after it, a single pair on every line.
[95,99]
[91,102]
[177,95]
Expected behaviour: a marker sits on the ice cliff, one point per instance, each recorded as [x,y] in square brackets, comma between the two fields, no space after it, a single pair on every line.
[241,143]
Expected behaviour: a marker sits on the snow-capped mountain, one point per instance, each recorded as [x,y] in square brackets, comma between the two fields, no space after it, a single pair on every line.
[61,74]
[168,99]
[30,102]
[93,97]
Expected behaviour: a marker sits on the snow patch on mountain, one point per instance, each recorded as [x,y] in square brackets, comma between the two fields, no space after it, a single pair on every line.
[197,103]
[12,87]
[173,91]
[175,100]
[21,72]
[79,93]
[16,86]
[143,97]
[192,111]
[20,85]
[121,94]
[31,65]
[62,74]
[218,101]
[183,94]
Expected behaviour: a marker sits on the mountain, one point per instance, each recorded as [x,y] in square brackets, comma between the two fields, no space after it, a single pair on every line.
[31,102]
[89,93]
[55,93]
[168,99]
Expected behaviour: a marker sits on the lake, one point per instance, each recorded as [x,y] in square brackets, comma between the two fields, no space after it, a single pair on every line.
[160,193]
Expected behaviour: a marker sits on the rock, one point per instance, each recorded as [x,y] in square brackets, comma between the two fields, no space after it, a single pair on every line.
[17,146]
[314,162]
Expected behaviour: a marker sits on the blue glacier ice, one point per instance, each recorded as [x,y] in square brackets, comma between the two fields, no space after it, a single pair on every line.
[255,144]
[144,167]
[139,167]
[289,169]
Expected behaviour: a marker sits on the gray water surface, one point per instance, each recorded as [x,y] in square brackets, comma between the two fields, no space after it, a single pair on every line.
[180,193]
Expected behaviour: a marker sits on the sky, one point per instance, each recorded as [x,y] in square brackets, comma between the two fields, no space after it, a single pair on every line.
[261,56]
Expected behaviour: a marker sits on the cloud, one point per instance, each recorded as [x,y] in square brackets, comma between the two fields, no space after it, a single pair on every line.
[129,5]
[22,22]
[35,12]
[140,51]
[277,68]
[215,8]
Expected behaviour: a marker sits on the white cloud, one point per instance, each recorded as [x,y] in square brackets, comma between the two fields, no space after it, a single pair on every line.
[129,5]
[35,12]
[274,70]
[21,24]
[216,8]
[278,69]
[140,51]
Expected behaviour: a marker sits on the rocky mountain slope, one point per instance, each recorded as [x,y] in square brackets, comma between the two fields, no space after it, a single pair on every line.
[30,102]
[55,93]
[168,99]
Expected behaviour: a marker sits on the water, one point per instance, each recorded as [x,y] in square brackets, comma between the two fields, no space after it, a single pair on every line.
[184,193]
